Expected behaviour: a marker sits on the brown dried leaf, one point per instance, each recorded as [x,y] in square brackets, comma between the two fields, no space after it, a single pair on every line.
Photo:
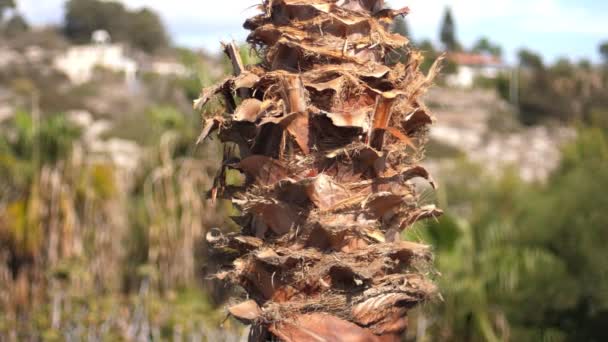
[374,309]
[334,84]
[246,312]
[386,315]
[353,112]
[356,118]
[325,193]
[265,170]
[382,116]
[248,243]
[402,137]
[248,110]
[415,120]
[429,211]
[392,13]
[246,80]
[261,281]
[277,216]
[232,52]
[321,328]
[294,94]
[368,70]
[300,130]
[382,203]
[209,92]
[363,5]
[296,124]
[417,171]
[211,125]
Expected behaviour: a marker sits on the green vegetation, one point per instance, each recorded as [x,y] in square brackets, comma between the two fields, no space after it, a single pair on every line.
[12,26]
[15,26]
[604,51]
[142,29]
[6,5]
[77,241]
[89,248]
[564,91]
[524,262]
[483,45]
[448,32]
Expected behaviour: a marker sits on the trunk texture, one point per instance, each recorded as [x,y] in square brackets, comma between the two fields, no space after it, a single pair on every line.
[328,138]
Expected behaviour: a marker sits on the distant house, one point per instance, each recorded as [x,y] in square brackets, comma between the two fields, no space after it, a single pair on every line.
[471,66]
[166,66]
[79,62]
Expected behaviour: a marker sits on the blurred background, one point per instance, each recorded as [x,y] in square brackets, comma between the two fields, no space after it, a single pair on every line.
[103,206]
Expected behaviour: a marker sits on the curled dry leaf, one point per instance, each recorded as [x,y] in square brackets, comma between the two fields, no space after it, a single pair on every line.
[321,327]
[248,110]
[415,120]
[379,204]
[246,312]
[278,217]
[429,211]
[299,129]
[325,193]
[210,126]
[265,171]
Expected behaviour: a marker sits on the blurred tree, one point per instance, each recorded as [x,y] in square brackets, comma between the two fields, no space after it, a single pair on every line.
[83,17]
[448,32]
[143,28]
[563,91]
[585,64]
[430,54]
[529,59]
[146,30]
[6,5]
[15,26]
[401,27]
[483,45]
[604,51]
[563,68]
[526,262]
[567,220]
[426,46]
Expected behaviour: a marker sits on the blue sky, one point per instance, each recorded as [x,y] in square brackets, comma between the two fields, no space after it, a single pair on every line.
[555,28]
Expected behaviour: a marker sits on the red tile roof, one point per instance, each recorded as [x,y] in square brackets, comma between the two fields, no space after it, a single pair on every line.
[463,58]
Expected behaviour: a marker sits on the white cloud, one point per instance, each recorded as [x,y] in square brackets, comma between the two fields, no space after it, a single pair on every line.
[203,22]
[544,16]
[42,12]
[541,15]
[549,16]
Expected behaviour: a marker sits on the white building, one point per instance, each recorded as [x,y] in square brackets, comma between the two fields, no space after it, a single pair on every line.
[79,62]
[167,66]
[472,66]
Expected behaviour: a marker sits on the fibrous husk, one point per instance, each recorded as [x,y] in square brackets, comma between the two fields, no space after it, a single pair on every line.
[323,327]
[329,139]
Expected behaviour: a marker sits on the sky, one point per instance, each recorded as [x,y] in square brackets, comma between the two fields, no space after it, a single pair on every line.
[555,28]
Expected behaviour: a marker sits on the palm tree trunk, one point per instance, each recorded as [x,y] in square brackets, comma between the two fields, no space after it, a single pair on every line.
[329,139]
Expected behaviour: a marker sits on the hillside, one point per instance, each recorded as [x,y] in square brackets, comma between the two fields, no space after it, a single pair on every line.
[482,126]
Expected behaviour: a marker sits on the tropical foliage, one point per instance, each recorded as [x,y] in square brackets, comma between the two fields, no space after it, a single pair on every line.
[524,262]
